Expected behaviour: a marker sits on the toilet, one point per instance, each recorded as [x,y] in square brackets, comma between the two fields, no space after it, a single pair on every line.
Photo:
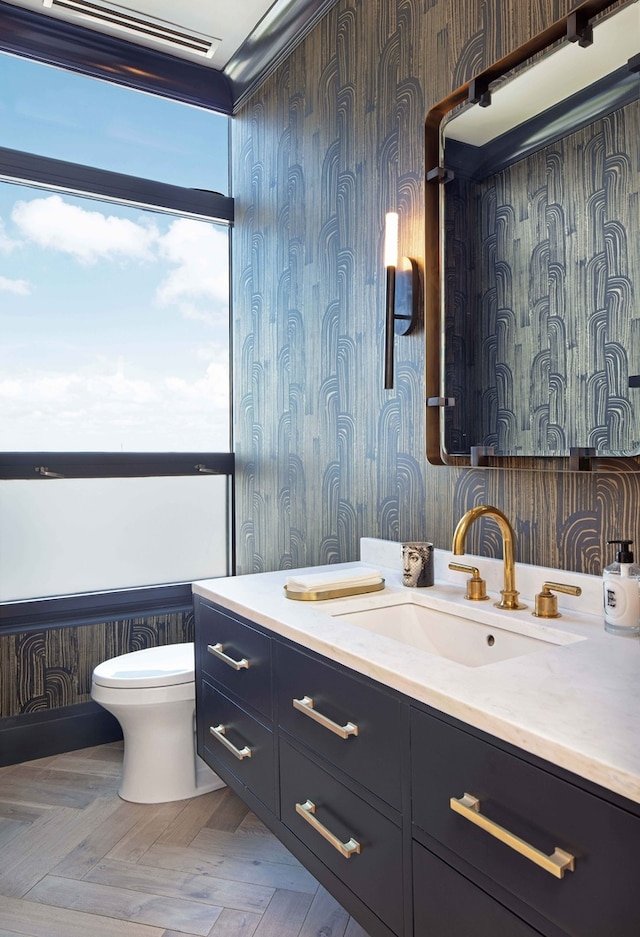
[152,695]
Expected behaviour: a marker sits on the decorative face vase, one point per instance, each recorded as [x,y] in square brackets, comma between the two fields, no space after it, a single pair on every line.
[417,564]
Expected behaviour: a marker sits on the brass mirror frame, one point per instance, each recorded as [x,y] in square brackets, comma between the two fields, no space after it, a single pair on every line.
[576,27]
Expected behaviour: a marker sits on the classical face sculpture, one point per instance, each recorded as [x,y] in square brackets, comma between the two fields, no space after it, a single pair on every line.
[413,565]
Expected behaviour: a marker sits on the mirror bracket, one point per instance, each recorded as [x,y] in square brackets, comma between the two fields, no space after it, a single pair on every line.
[479,91]
[440,174]
[579,29]
[480,455]
[441,401]
[582,459]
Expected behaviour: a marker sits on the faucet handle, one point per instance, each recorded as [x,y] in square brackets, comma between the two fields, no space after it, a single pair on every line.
[476,587]
[547,602]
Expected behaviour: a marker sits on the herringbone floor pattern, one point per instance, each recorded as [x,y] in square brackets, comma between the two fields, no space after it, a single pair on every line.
[76,861]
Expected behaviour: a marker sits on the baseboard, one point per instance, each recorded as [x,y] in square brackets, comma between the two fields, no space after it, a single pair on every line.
[54,731]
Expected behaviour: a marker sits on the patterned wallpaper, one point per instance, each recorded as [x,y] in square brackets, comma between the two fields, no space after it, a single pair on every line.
[324,455]
[50,668]
[543,315]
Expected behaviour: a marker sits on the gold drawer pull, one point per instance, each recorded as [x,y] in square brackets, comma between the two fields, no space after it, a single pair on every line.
[305,705]
[557,863]
[218,732]
[307,811]
[218,651]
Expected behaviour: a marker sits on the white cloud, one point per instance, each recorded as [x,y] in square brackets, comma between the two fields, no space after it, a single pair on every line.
[213,386]
[19,287]
[111,411]
[195,254]
[6,243]
[87,235]
[116,385]
[40,389]
[199,282]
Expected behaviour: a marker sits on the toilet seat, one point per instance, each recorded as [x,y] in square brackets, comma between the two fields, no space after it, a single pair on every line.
[168,665]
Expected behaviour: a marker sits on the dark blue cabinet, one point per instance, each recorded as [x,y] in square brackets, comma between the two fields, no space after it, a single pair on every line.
[337,759]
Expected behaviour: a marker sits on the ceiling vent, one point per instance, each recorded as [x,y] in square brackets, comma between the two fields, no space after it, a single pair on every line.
[137,26]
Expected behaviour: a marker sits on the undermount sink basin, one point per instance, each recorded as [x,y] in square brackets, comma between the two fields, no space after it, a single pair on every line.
[464,640]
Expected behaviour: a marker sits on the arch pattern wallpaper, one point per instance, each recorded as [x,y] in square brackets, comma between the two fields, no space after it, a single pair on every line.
[48,668]
[333,140]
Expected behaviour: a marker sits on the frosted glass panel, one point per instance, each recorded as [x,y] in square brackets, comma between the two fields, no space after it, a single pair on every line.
[65,536]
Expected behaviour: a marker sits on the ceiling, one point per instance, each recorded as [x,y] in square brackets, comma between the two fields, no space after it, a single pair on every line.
[239,41]
[229,21]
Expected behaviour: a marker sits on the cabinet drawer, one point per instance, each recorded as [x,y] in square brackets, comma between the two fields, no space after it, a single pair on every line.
[241,743]
[369,746]
[545,812]
[374,873]
[236,656]
[446,904]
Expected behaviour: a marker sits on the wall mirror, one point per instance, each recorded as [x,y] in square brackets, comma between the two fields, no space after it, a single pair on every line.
[533,253]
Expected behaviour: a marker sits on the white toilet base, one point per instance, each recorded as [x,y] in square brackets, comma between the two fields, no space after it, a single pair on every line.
[160,762]
[151,693]
[190,780]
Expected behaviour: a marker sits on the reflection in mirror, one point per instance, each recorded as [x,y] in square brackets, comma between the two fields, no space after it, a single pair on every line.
[541,260]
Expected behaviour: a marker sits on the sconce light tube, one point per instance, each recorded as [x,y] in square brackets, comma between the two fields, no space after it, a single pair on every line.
[391,239]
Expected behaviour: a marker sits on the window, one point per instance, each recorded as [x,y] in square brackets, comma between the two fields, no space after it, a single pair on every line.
[63,115]
[114,311]
[115,327]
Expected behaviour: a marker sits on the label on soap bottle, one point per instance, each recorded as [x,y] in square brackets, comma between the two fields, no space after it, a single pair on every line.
[621,602]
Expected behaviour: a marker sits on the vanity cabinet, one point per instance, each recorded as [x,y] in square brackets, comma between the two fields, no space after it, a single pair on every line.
[359,843]
[554,847]
[346,720]
[235,656]
[234,702]
[419,825]
[340,773]
[446,904]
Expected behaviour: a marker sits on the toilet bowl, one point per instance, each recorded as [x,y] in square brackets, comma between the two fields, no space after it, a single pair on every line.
[152,695]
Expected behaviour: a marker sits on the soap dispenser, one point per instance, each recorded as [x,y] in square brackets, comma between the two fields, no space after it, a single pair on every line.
[621,591]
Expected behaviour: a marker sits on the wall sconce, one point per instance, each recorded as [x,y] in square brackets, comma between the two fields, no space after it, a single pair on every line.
[403,294]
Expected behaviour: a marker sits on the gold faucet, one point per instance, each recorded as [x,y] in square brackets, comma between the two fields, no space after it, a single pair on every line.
[509,594]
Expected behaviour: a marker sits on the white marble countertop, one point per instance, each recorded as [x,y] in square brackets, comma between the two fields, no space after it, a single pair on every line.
[576,705]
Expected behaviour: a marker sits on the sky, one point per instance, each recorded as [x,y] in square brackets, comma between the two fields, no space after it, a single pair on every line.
[114,321]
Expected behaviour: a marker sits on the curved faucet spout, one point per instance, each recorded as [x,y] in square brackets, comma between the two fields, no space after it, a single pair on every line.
[508,592]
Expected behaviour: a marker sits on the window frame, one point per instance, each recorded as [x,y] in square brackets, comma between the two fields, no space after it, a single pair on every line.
[50,465]
[29,169]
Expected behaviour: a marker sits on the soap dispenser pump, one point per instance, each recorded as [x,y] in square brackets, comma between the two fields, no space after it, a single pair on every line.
[621,592]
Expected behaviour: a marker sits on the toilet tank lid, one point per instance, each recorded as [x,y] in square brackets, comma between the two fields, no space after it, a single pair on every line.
[152,666]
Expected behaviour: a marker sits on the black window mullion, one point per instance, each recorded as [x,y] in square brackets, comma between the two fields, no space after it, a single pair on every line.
[51,465]
[76,179]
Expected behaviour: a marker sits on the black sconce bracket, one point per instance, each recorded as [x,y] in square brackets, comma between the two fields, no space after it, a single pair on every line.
[403,308]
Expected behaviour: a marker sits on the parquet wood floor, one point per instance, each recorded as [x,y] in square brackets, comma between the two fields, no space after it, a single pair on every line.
[76,861]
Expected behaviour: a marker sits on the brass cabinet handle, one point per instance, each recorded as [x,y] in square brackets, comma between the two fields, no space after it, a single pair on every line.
[218,732]
[557,863]
[218,651]
[307,811]
[305,705]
